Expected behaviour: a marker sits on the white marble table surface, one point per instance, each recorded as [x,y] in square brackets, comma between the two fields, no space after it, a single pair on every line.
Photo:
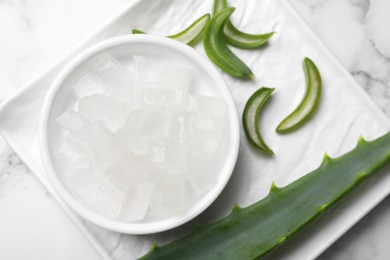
[34,33]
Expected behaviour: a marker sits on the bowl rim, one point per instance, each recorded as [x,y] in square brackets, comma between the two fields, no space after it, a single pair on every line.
[93,215]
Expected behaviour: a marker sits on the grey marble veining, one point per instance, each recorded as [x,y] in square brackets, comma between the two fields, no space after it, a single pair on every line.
[35,33]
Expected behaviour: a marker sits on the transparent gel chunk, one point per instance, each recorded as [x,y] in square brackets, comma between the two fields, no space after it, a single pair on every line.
[192,104]
[158,98]
[161,98]
[78,147]
[208,106]
[179,128]
[170,198]
[100,107]
[147,85]
[155,126]
[175,77]
[88,85]
[72,121]
[175,158]
[159,177]
[137,201]
[70,161]
[102,143]
[146,69]
[129,95]
[129,170]
[130,135]
[157,153]
[204,129]
[201,174]
[113,72]
[85,184]
[67,151]
[108,199]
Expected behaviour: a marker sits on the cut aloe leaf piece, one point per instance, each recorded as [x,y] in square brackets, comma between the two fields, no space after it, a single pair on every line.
[236,37]
[216,48]
[252,232]
[191,35]
[309,104]
[250,119]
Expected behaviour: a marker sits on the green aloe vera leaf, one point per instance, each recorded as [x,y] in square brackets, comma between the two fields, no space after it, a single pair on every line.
[236,37]
[217,50]
[250,119]
[309,104]
[191,35]
[251,232]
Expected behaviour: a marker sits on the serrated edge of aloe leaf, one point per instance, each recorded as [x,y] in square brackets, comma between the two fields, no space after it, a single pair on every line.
[254,231]
[217,50]
[250,119]
[196,28]
[310,102]
[238,38]
[190,35]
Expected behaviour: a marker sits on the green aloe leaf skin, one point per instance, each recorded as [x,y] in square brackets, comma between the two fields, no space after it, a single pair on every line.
[250,119]
[191,35]
[236,37]
[252,232]
[136,31]
[309,104]
[216,48]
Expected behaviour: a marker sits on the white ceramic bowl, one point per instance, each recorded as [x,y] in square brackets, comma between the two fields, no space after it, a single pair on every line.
[207,80]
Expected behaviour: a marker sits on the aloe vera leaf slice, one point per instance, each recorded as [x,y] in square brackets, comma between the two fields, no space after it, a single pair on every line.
[236,37]
[250,119]
[309,104]
[217,50]
[191,35]
[252,232]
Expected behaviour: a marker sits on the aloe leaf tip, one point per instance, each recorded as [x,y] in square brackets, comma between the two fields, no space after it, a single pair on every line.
[136,31]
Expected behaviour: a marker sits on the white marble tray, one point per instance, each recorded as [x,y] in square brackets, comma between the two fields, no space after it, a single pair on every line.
[345,112]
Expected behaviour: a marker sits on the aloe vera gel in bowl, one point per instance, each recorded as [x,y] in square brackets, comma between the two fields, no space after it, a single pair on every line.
[138,143]
[139,138]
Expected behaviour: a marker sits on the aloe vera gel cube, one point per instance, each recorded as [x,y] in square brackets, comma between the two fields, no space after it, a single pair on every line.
[200,176]
[175,77]
[113,72]
[128,170]
[73,121]
[108,199]
[137,201]
[209,106]
[90,84]
[170,198]
[100,107]
[146,70]
[159,98]
[85,183]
